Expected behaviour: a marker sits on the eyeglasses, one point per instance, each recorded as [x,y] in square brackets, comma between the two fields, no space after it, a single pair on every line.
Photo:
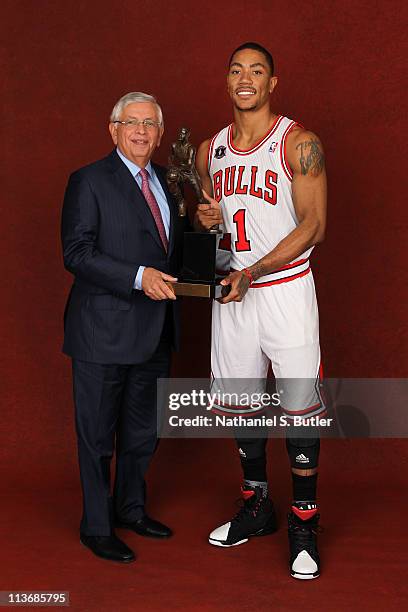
[149,124]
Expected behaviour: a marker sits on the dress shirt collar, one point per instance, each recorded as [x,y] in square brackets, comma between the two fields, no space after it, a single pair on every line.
[134,168]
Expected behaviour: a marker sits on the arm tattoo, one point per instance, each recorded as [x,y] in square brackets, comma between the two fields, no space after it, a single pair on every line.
[311,157]
[257,270]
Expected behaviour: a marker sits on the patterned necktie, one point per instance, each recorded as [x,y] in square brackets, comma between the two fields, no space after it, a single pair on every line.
[154,207]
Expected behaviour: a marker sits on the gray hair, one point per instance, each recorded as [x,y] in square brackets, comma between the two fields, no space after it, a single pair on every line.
[130,98]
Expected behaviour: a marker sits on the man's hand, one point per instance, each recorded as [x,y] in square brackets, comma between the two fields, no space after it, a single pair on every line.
[238,283]
[208,215]
[154,286]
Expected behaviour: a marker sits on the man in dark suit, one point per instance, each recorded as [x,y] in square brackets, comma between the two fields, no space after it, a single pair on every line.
[120,236]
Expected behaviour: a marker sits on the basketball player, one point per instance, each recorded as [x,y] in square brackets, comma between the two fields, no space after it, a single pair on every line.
[267,178]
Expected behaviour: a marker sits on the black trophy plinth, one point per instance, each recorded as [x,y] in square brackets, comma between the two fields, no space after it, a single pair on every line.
[206,261]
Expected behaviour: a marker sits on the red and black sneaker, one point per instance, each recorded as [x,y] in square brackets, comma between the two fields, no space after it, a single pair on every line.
[256,517]
[303,524]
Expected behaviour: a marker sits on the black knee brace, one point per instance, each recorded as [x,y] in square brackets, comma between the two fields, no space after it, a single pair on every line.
[303,452]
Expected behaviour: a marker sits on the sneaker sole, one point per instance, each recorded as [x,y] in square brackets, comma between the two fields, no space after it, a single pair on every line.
[305,576]
[218,543]
[252,535]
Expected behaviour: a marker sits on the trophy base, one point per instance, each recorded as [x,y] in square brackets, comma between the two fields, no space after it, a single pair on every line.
[205,290]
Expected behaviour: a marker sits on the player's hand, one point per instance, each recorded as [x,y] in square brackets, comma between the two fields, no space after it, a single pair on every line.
[154,286]
[238,283]
[208,215]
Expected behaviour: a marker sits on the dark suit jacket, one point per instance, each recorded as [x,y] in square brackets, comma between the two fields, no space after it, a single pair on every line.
[107,232]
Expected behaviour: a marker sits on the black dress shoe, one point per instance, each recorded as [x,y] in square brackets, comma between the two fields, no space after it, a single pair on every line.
[108,547]
[147,527]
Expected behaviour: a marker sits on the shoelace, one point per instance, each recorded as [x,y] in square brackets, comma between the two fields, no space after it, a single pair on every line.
[303,536]
[245,509]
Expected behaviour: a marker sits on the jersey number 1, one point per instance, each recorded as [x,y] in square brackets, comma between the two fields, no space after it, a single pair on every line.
[242,243]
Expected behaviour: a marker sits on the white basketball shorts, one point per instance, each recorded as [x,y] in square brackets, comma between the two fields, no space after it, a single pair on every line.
[277,324]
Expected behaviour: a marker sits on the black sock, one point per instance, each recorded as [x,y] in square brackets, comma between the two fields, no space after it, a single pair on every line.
[304,487]
[254,469]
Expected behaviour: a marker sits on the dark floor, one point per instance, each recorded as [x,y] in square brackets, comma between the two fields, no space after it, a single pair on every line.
[193,485]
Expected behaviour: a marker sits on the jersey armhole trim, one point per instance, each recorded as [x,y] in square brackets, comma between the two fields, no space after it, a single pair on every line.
[285,165]
[210,151]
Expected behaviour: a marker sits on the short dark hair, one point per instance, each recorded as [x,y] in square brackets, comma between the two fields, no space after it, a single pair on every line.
[256,47]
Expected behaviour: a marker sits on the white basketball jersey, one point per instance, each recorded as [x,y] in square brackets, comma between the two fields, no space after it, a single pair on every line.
[254,189]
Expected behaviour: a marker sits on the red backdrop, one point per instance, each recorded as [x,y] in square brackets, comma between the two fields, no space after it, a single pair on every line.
[65,64]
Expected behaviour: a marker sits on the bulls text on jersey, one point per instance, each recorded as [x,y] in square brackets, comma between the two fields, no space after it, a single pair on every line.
[245,180]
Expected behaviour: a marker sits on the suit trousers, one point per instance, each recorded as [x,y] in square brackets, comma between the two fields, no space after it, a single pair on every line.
[116,404]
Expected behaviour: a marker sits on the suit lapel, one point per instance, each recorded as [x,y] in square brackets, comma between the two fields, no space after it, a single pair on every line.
[127,184]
